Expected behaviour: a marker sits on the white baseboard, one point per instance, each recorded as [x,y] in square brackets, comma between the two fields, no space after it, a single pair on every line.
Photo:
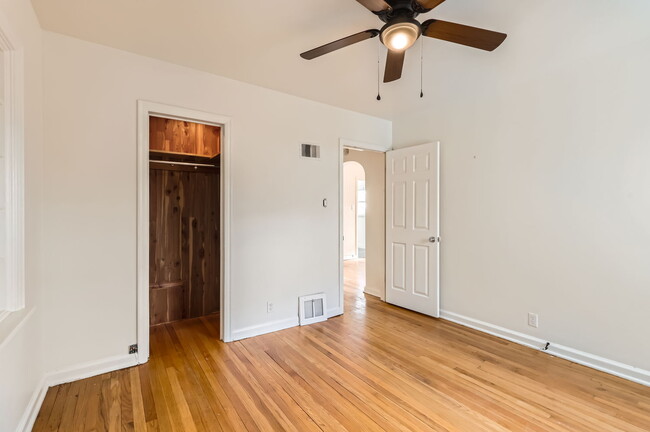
[274,326]
[261,329]
[80,371]
[503,333]
[371,291]
[332,312]
[90,369]
[33,407]
[611,367]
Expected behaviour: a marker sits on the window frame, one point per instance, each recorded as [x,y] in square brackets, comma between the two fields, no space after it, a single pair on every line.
[13,290]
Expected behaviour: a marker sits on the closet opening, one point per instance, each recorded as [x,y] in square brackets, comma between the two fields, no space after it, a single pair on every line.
[184,221]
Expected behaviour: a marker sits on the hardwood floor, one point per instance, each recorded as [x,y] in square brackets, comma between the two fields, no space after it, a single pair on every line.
[377,368]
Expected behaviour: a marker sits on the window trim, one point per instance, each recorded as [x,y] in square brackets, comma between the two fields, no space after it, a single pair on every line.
[14,156]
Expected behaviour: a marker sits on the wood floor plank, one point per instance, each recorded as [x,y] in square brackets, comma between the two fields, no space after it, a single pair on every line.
[376,368]
[79,415]
[236,400]
[92,421]
[349,415]
[189,387]
[54,420]
[252,405]
[220,404]
[138,414]
[303,399]
[397,356]
[167,416]
[284,405]
[46,408]
[383,412]
[71,403]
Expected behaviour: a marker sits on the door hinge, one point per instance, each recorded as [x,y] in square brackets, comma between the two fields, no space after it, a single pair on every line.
[133,349]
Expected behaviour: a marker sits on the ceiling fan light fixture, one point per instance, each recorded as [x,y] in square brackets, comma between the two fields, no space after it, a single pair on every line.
[401,30]
[400,36]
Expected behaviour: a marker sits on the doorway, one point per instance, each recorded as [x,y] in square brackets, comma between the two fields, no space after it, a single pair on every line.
[363,221]
[184,255]
[354,211]
[354,226]
[183,219]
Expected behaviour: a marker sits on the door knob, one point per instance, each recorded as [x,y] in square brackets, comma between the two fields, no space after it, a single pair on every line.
[432,239]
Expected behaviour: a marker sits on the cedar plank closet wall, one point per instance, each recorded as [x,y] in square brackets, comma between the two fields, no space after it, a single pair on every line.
[184,220]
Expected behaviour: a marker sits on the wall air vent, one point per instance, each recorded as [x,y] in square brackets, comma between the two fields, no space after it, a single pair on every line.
[313,309]
[311,151]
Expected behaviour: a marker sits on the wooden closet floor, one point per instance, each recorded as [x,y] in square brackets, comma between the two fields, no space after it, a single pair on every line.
[377,368]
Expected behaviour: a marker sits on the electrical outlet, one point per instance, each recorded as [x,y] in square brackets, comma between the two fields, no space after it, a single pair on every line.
[269,307]
[533,319]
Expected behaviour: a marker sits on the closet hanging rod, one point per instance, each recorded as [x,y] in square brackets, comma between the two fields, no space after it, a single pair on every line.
[183,163]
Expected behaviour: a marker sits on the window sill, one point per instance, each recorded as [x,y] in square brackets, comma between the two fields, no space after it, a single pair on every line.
[11,322]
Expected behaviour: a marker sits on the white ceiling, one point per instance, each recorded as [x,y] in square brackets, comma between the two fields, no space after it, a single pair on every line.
[259,42]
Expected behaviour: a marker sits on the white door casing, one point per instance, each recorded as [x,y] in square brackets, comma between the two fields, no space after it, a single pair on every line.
[413,228]
[146,109]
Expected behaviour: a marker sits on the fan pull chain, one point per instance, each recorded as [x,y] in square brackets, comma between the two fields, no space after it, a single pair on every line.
[421,67]
[378,71]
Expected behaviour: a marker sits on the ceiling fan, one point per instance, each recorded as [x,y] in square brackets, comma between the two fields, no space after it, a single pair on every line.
[401,30]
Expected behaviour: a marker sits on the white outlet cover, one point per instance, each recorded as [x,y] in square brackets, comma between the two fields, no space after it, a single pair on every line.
[533,320]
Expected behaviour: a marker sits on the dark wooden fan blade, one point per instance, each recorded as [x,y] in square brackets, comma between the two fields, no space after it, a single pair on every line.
[375,5]
[461,34]
[430,4]
[341,43]
[394,65]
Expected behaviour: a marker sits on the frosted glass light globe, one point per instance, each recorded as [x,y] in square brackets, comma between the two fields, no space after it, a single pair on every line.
[400,36]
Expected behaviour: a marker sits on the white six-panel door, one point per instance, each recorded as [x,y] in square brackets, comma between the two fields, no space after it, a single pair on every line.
[412,228]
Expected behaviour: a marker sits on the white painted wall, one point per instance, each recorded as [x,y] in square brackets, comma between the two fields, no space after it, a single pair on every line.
[545,178]
[3,183]
[21,354]
[284,243]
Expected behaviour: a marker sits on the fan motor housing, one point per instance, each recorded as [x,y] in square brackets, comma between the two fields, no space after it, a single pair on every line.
[401,9]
